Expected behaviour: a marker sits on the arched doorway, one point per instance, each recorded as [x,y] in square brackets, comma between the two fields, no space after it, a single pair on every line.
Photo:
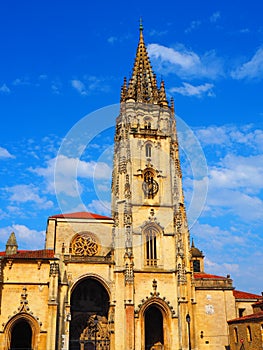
[21,336]
[89,301]
[153,323]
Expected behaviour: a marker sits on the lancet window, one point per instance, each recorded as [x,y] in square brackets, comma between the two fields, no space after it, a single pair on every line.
[151,245]
[148,150]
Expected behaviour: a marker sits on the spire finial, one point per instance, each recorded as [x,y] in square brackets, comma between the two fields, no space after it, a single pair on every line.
[141,25]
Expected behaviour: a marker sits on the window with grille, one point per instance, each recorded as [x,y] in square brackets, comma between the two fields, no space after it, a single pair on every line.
[151,234]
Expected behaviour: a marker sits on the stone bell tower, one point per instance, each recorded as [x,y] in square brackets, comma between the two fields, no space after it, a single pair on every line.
[150,233]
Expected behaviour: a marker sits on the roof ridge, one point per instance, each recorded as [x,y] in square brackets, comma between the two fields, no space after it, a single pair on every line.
[80,215]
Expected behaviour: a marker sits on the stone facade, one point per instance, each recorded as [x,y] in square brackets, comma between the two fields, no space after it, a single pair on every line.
[130,281]
[246,332]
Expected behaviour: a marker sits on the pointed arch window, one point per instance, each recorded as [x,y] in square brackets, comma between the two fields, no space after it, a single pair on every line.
[148,150]
[151,246]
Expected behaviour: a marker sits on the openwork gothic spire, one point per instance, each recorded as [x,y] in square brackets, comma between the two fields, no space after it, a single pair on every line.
[142,86]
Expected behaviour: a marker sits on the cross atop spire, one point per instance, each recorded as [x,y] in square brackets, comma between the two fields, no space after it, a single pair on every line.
[142,86]
[141,25]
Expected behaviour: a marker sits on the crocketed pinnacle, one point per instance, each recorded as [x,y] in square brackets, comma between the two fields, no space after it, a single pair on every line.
[142,86]
[12,240]
[11,244]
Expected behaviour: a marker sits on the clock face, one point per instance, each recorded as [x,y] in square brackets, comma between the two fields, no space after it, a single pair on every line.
[150,186]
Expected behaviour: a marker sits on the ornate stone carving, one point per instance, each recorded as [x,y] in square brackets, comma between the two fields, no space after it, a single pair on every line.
[156,297]
[180,247]
[85,244]
[116,218]
[127,189]
[178,168]
[150,185]
[128,237]
[123,165]
[178,222]
[24,308]
[54,269]
[181,273]
[176,189]
[128,273]
[97,328]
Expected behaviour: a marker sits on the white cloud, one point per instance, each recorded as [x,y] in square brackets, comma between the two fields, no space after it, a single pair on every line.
[56,87]
[183,58]
[89,84]
[79,86]
[68,170]
[5,89]
[3,214]
[28,193]
[228,252]
[191,90]
[229,136]
[99,206]
[26,237]
[239,171]
[252,69]
[112,39]
[245,30]
[214,237]
[235,162]
[155,32]
[5,154]
[194,25]
[224,268]
[21,82]
[235,187]
[185,63]
[43,77]
[215,17]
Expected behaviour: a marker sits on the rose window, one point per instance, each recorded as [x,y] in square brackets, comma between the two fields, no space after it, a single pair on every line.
[85,245]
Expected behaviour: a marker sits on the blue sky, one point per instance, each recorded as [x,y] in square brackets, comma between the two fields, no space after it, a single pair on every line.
[62,60]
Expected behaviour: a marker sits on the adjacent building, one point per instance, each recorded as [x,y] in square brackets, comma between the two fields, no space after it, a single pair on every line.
[246,332]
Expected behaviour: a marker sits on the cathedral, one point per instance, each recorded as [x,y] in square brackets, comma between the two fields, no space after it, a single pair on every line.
[131,281]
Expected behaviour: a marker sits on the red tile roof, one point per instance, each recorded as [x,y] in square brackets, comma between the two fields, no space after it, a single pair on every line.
[256,316]
[259,302]
[203,275]
[31,254]
[81,215]
[244,295]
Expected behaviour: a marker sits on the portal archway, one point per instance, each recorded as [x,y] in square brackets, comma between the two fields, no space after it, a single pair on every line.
[21,336]
[153,328]
[89,299]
